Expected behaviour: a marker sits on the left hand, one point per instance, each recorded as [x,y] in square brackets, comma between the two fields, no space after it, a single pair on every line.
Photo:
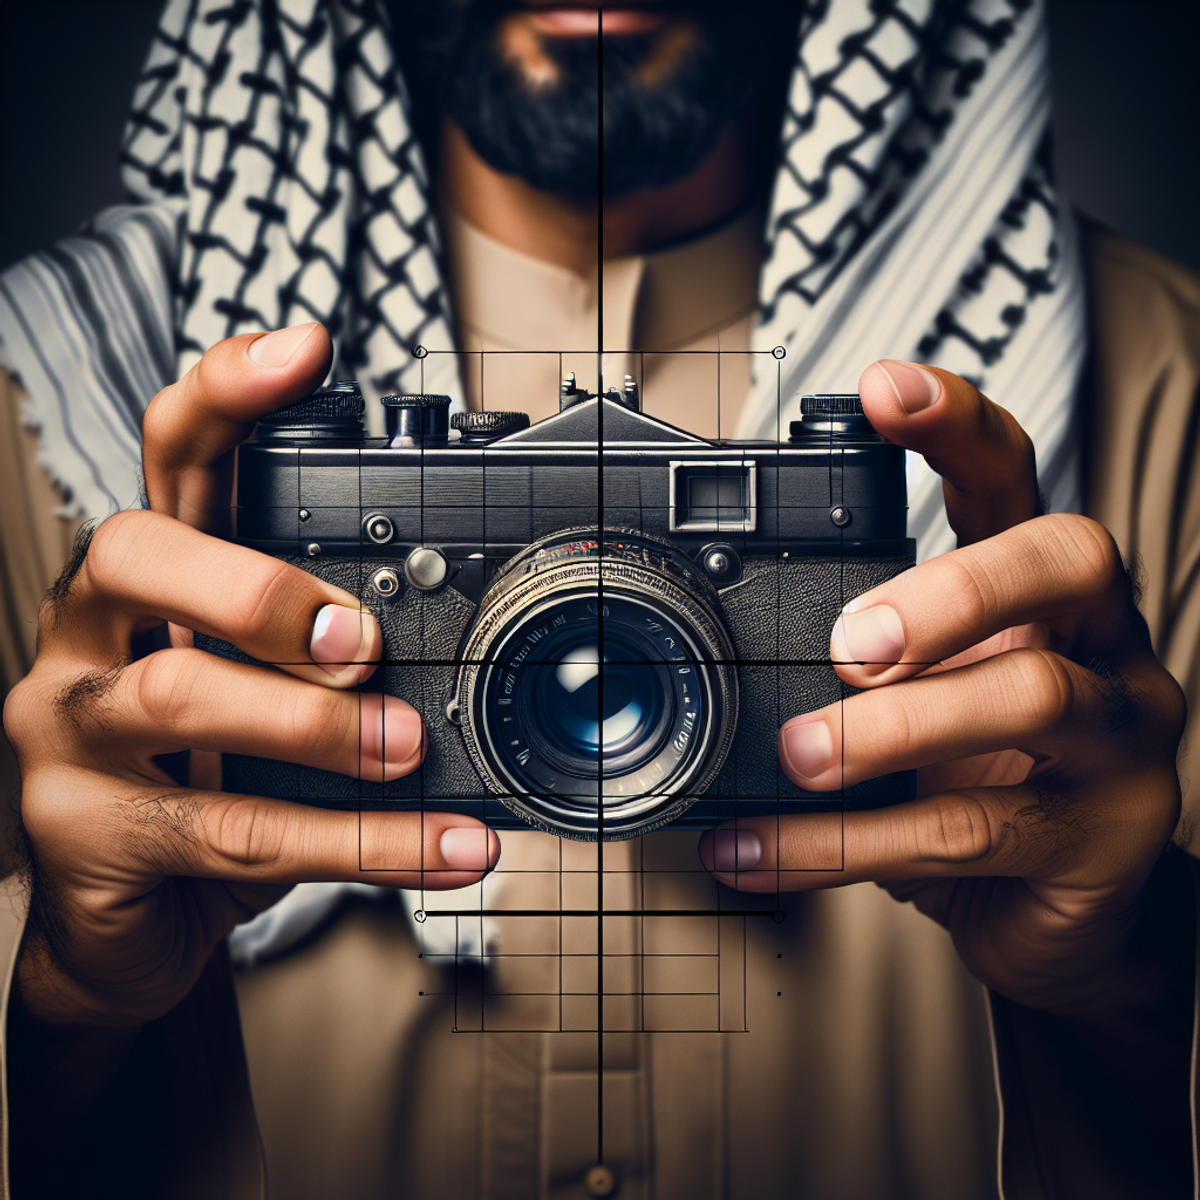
[1017,676]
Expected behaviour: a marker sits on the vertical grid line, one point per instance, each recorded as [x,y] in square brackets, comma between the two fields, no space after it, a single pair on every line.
[600,584]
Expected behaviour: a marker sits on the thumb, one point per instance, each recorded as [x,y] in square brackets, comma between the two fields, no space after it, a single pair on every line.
[192,428]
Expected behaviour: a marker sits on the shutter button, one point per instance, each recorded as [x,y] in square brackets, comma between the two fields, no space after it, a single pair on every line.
[600,1181]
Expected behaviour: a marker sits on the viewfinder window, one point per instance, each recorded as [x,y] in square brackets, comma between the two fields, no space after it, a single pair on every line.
[713,497]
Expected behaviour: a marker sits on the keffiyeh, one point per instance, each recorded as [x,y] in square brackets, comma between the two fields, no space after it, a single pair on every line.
[276,179]
[915,216]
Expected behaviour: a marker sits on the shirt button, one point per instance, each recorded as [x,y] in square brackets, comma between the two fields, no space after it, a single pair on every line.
[600,1181]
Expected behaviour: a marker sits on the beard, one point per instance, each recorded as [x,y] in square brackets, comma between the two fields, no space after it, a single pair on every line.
[599,129]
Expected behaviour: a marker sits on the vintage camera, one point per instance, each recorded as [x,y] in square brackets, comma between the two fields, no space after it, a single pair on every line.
[602,619]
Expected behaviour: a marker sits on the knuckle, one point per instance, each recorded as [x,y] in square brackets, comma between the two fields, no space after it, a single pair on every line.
[154,419]
[1089,548]
[17,705]
[113,546]
[271,594]
[165,684]
[323,721]
[45,713]
[956,831]
[896,731]
[1040,686]
[975,596]
[1170,703]
[1001,428]
[1162,704]
[245,834]
[54,796]
[1022,444]
[25,719]
[399,840]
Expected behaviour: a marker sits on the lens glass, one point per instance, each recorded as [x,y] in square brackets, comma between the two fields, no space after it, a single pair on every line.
[592,701]
[581,714]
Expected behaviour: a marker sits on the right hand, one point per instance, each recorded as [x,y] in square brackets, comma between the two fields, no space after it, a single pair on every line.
[135,879]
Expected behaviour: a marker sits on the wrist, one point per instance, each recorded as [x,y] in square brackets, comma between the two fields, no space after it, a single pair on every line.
[1150,974]
[61,1058]
[50,997]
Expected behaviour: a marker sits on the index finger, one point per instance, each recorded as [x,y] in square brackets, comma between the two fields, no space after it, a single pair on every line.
[985,458]
[145,565]
[192,428]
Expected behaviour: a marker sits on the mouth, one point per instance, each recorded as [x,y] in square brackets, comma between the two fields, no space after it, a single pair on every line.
[551,18]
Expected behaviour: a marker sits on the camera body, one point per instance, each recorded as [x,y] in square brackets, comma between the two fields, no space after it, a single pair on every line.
[603,620]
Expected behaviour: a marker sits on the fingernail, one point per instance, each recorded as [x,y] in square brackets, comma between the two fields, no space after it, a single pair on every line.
[916,389]
[392,734]
[735,850]
[467,848]
[807,748]
[873,637]
[338,637]
[276,349]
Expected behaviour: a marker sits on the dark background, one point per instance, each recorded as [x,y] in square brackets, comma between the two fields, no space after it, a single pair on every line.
[1127,95]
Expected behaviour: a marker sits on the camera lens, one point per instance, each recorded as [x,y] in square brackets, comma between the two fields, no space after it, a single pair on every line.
[598,693]
[598,703]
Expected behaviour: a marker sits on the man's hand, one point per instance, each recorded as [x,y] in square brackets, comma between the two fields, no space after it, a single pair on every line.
[135,879]
[1017,676]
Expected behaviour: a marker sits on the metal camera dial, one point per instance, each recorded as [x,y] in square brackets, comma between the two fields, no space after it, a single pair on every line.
[426,569]
[378,529]
[385,582]
[722,563]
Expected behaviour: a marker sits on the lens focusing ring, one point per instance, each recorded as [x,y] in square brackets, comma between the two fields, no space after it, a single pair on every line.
[667,685]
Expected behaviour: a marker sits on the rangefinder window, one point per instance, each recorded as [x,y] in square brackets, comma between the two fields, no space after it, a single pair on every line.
[710,497]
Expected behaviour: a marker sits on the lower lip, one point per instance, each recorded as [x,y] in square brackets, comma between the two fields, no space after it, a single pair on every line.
[586,22]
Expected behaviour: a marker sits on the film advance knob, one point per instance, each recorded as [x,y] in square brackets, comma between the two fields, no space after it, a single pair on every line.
[426,569]
[831,413]
[330,412]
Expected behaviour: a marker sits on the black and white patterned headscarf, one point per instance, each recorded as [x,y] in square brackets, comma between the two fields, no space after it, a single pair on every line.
[914,216]
[277,180]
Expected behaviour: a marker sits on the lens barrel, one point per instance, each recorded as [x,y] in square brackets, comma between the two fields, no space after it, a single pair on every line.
[598,692]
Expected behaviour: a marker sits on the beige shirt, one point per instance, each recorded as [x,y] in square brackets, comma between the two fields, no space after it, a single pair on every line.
[864,1069]
[677,320]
